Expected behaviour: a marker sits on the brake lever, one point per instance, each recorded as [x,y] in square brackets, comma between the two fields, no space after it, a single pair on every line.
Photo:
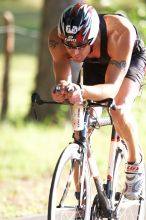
[68,89]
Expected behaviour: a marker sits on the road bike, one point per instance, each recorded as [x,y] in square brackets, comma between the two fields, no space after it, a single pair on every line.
[77,191]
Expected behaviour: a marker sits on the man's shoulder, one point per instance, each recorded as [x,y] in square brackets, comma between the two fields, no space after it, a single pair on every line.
[54,40]
[56,47]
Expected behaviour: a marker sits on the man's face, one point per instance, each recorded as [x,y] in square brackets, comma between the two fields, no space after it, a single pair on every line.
[78,54]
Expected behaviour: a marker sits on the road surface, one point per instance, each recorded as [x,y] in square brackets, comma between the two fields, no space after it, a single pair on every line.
[38,217]
[130,213]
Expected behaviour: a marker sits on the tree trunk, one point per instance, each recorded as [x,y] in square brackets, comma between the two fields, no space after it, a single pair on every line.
[9,42]
[51,12]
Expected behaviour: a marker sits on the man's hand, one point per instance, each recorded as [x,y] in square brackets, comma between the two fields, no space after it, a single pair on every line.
[67,91]
[75,95]
[59,91]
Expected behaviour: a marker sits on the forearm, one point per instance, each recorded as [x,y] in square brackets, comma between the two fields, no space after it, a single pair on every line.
[98,92]
[62,72]
[61,77]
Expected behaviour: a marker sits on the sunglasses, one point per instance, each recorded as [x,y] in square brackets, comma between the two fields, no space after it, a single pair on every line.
[78,46]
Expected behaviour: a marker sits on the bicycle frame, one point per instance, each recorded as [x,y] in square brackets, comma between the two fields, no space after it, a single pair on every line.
[106,205]
[104,195]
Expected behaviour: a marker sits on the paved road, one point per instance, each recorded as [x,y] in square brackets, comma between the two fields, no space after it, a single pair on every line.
[126,216]
[38,217]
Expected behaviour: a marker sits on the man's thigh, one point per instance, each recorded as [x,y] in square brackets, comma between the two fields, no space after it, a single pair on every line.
[133,80]
[136,70]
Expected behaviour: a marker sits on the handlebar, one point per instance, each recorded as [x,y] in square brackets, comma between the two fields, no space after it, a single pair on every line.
[35,98]
[107,103]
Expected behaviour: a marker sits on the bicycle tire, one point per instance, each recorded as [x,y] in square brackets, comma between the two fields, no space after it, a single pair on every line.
[127,209]
[68,209]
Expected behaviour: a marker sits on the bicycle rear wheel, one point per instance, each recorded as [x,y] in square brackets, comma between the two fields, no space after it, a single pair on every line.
[126,209]
[63,205]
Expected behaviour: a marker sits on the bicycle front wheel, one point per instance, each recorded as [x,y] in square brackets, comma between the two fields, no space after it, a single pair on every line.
[63,204]
[125,209]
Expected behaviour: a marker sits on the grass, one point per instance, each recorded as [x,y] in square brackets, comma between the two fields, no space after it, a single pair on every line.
[37,147]
[28,149]
[28,153]
[21,83]
[27,158]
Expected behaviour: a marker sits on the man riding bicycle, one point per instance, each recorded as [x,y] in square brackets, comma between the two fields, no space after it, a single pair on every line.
[114,59]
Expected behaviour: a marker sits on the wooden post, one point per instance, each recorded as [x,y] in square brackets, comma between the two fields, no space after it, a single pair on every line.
[9,41]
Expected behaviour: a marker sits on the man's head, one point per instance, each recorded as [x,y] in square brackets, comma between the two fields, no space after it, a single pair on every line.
[78,25]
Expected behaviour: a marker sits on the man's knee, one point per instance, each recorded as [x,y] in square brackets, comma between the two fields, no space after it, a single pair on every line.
[119,115]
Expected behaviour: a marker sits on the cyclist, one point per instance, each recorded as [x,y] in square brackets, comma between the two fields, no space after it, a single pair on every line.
[114,58]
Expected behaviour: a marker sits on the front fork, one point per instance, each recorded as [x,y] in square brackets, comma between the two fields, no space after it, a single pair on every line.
[79,180]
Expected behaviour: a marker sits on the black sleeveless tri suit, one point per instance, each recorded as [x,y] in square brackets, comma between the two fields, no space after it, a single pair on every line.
[94,69]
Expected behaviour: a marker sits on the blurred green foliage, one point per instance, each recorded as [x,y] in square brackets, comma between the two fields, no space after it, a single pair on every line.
[27,17]
[135,10]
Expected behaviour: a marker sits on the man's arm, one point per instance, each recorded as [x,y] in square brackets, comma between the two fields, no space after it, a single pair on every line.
[61,64]
[120,47]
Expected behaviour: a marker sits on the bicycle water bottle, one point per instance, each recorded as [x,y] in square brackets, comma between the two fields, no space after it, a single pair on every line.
[77,117]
